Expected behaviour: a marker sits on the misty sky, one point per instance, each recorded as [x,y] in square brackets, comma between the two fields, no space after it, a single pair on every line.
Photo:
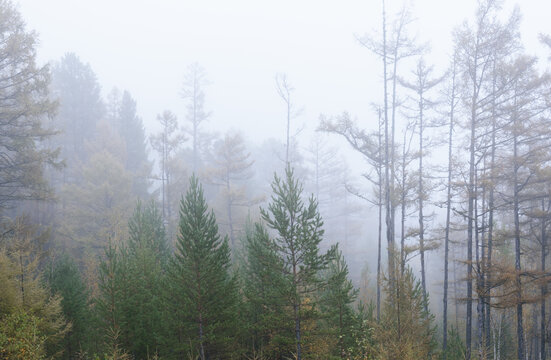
[146,46]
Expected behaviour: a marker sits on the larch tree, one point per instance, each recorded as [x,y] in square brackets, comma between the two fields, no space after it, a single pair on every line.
[232,167]
[166,142]
[25,106]
[421,85]
[193,91]
[452,102]
[477,46]
[372,148]
[528,136]
[285,91]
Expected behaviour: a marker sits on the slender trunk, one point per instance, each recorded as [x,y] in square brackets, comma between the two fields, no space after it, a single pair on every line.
[229,211]
[470,191]
[403,210]
[448,213]
[388,205]
[201,334]
[478,260]
[380,225]
[483,268]
[296,311]
[421,196]
[543,335]
[520,327]
[488,290]
[288,129]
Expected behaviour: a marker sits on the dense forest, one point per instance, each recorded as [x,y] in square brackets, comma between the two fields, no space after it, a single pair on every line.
[185,243]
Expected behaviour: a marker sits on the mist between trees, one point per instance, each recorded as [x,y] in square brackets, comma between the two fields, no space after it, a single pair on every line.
[190,244]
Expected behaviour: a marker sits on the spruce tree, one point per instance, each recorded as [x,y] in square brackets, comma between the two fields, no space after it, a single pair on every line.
[298,229]
[204,290]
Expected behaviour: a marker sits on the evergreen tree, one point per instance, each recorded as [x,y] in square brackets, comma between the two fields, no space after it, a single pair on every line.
[299,232]
[146,258]
[336,305]
[64,279]
[268,323]
[75,85]
[204,291]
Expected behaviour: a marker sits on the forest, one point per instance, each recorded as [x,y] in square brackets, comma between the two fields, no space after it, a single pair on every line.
[418,233]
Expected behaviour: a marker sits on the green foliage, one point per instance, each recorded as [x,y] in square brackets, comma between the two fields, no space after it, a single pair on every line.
[79,93]
[146,257]
[20,337]
[336,302]
[268,322]
[456,348]
[24,105]
[406,331]
[97,208]
[122,116]
[298,233]
[108,303]
[64,279]
[203,290]
[23,292]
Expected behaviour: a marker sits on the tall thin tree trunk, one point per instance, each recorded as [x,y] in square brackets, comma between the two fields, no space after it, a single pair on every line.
[388,205]
[520,326]
[380,205]
[448,213]
[470,213]
[543,334]
[490,222]
[403,210]
[421,195]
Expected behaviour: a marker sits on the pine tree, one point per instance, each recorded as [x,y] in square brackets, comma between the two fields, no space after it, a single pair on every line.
[336,305]
[204,290]
[268,323]
[298,233]
[65,280]
[146,257]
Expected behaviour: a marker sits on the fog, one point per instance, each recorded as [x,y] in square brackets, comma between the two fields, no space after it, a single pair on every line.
[139,110]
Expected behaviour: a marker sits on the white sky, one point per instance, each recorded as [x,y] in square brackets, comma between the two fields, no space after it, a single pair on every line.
[145,47]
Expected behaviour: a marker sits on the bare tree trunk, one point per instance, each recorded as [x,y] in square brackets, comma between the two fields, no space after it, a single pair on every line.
[470,213]
[388,205]
[543,334]
[488,290]
[448,213]
[520,326]
[380,205]
[421,195]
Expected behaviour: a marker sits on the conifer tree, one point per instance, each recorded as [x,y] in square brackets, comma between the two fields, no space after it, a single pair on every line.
[268,324]
[336,305]
[298,233]
[204,290]
[65,280]
[146,259]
